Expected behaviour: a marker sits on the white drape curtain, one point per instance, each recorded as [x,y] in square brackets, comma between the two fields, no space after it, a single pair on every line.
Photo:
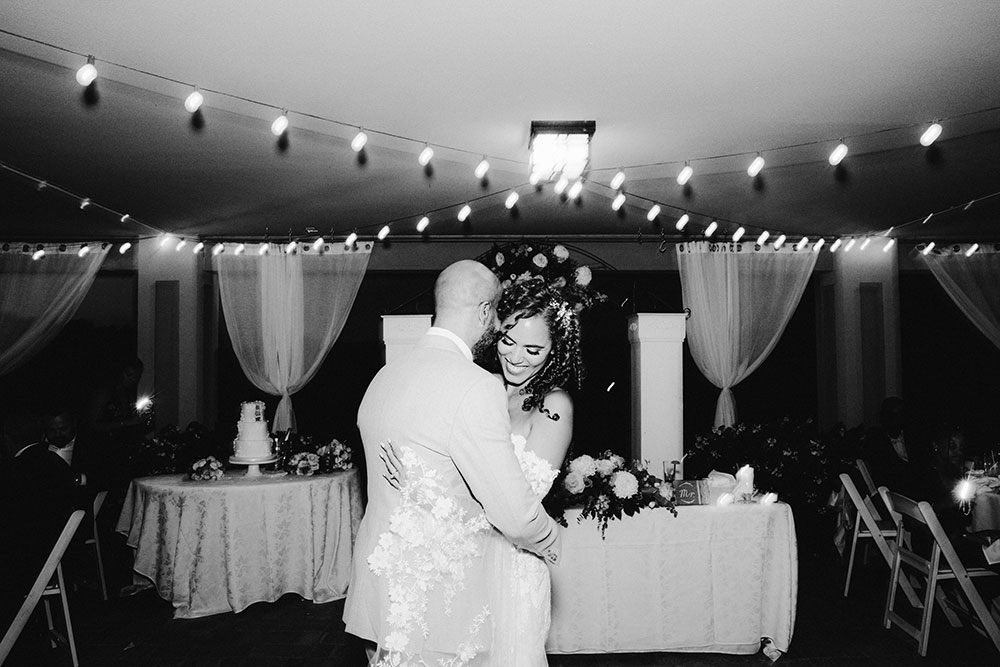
[741,297]
[971,282]
[38,298]
[284,312]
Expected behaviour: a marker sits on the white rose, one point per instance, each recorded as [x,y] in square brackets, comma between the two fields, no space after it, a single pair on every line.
[574,482]
[524,276]
[540,260]
[605,467]
[583,276]
[618,461]
[499,259]
[583,465]
[561,253]
[624,484]
[666,490]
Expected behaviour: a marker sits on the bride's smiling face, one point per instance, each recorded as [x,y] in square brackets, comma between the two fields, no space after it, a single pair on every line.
[523,348]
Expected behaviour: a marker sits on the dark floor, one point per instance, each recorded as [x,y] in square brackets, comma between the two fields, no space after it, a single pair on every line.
[139,630]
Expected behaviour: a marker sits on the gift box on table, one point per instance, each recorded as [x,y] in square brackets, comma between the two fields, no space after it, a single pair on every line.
[703,491]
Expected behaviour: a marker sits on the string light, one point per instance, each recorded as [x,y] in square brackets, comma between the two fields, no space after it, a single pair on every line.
[927,219]
[290,247]
[836,244]
[280,124]
[198,247]
[464,212]
[930,135]
[124,218]
[482,168]
[972,248]
[87,74]
[180,244]
[534,178]
[653,212]
[194,101]
[359,141]
[318,243]
[351,239]
[39,253]
[218,249]
[239,249]
[560,185]
[511,200]
[780,241]
[382,233]
[575,190]
[711,228]
[425,156]
[755,166]
[123,248]
[838,154]
[263,249]
[682,222]
[927,248]
[849,245]
[164,239]
[888,246]
[762,239]
[685,175]
[819,244]
[618,202]
[422,224]
[84,203]
[618,180]
[802,243]
[83,251]
[738,234]
[864,244]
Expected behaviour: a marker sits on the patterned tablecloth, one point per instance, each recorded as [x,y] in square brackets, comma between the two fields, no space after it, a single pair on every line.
[986,512]
[714,579]
[213,547]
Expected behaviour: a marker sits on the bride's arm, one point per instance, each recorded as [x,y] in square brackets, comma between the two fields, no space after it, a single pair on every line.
[550,437]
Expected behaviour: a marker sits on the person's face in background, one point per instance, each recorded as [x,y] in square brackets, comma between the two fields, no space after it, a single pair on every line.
[60,430]
[130,377]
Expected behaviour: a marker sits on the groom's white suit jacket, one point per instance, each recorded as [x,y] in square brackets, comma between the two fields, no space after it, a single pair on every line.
[453,415]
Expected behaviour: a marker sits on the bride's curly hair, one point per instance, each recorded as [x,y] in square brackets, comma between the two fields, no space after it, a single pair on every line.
[564,366]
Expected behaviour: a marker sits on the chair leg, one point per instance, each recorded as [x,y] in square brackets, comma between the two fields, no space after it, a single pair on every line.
[69,622]
[48,621]
[100,564]
[850,560]
[928,613]
[981,610]
[890,599]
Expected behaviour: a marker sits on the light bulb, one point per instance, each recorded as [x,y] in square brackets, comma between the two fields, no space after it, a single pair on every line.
[888,246]
[239,249]
[534,177]
[382,233]
[618,180]
[351,239]
[219,247]
[164,239]
[738,234]
[87,74]
[125,218]
[755,166]
[123,248]
[850,244]
[819,244]
[359,141]
[927,219]
[618,202]
[682,222]
[575,190]
[685,175]
[318,243]
[836,244]
[560,185]
[780,241]
[769,499]
[838,154]
[194,101]
[972,248]
[425,156]
[864,244]
[482,168]
[280,125]
[38,254]
[927,248]
[511,200]
[653,212]
[180,244]
[83,251]
[263,249]
[711,228]
[290,247]
[930,135]
[198,247]
[802,243]
[84,203]
[464,212]
[762,239]
[422,224]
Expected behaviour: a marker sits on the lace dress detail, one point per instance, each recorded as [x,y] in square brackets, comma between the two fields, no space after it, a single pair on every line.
[521,599]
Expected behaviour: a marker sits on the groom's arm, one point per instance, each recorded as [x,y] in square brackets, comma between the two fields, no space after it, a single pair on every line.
[482,451]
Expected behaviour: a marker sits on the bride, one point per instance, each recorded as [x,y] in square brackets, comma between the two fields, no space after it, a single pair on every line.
[537,355]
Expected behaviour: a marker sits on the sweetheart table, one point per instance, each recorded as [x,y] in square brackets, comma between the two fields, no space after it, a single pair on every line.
[218,546]
[713,579]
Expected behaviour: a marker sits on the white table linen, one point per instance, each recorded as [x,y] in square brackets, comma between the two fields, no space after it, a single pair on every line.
[214,547]
[713,579]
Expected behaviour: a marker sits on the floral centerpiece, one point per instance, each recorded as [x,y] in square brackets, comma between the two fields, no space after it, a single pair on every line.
[335,456]
[302,463]
[547,263]
[606,488]
[302,455]
[207,469]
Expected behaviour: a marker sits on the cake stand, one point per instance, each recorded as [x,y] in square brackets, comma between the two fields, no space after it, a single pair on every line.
[253,465]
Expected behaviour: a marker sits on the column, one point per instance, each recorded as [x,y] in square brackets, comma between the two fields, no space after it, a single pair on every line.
[657,341]
[401,332]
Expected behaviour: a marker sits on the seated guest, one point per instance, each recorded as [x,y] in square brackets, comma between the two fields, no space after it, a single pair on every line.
[897,458]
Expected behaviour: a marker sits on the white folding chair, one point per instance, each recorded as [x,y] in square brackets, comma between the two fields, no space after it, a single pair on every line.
[935,573]
[96,541]
[880,531]
[43,584]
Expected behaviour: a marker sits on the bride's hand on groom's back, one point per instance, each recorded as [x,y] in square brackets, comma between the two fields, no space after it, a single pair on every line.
[394,473]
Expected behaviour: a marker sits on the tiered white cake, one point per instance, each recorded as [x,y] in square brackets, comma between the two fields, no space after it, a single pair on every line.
[253,442]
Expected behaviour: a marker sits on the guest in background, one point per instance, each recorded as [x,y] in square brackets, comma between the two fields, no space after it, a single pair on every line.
[898,459]
[115,425]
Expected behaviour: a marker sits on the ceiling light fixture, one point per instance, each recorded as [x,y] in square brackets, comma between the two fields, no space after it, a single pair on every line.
[359,141]
[464,212]
[711,228]
[819,244]
[198,247]
[836,244]
[180,244]
[87,74]
[482,168]
[194,101]
[290,247]
[762,239]
[927,248]
[560,185]
[422,224]
[755,166]
[123,248]
[738,234]
[653,212]
[802,243]
[219,247]
[351,239]
[780,241]
[930,135]
[618,202]
[318,243]
[425,156]
[264,248]
[575,190]
[280,124]
[888,246]
[864,244]
[849,245]
[83,251]
[682,222]
[685,175]
[838,154]
[618,180]
[84,203]
[382,233]
[511,200]
[240,248]
[39,252]
[968,253]
[560,147]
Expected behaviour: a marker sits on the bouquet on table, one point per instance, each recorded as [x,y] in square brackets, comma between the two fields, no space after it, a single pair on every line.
[207,469]
[335,456]
[606,488]
[302,455]
[302,463]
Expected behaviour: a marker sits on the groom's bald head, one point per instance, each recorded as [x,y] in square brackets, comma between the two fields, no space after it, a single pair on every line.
[465,284]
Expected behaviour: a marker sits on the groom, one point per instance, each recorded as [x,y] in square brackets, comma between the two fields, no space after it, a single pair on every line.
[453,416]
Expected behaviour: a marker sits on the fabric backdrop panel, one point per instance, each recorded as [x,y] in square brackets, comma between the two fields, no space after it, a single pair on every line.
[285,311]
[971,282]
[39,297]
[741,297]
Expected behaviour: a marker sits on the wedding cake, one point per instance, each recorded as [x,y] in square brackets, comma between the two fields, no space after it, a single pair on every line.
[252,439]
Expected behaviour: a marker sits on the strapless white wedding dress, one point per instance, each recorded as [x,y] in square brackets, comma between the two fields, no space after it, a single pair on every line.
[521,600]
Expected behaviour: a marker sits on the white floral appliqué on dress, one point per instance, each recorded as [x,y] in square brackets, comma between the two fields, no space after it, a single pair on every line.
[521,592]
[429,544]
